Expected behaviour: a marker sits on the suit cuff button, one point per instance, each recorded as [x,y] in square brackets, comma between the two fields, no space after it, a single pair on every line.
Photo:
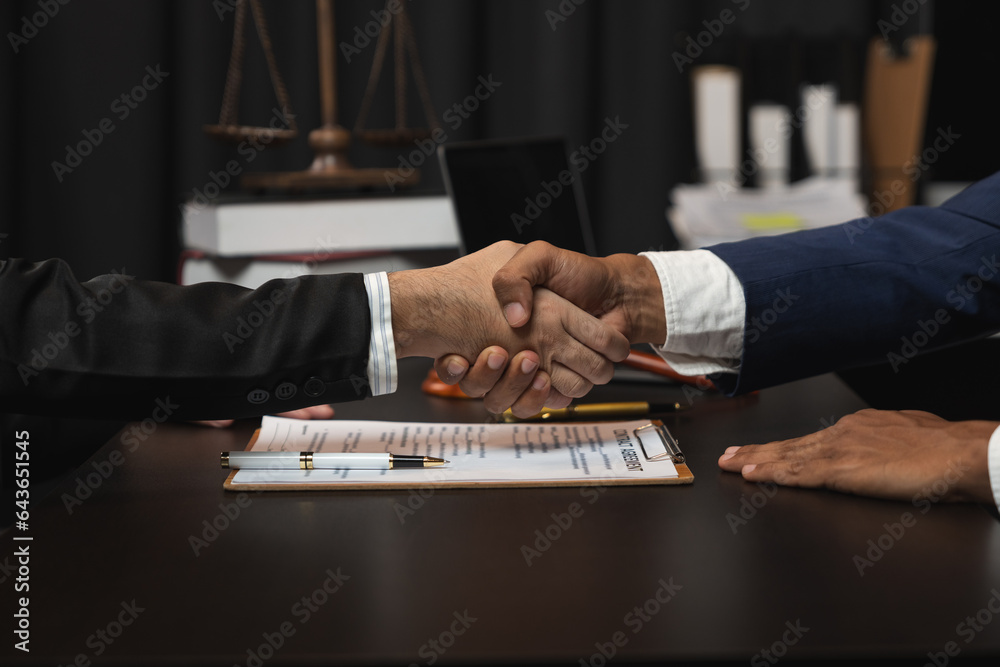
[258,396]
[286,390]
[314,387]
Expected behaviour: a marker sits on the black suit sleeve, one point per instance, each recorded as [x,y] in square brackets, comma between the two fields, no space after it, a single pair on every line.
[117,347]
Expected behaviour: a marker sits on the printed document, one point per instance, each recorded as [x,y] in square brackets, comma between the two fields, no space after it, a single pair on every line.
[526,452]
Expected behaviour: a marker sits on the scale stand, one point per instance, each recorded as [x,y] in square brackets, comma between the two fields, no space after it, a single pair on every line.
[331,168]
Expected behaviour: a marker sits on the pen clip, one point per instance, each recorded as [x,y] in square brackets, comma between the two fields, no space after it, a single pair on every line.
[667,445]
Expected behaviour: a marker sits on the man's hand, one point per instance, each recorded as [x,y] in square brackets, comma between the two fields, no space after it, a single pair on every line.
[518,384]
[898,455]
[622,290]
[452,309]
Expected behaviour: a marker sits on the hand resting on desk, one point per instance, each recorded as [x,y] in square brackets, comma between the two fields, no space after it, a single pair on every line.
[907,455]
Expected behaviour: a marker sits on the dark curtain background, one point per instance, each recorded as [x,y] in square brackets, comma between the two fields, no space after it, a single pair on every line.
[606,59]
[60,76]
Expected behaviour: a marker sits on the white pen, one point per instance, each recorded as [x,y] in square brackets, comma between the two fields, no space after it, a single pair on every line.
[326,461]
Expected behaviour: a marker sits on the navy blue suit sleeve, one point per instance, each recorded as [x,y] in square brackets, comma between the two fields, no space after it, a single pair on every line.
[116,347]
[867,291]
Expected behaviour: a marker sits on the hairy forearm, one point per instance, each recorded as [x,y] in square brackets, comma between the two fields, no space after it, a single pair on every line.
[410,294]
[428,316]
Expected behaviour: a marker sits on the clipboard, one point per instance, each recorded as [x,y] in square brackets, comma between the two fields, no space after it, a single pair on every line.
[655,442]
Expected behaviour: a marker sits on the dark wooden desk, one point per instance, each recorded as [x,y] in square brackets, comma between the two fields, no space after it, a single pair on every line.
[410,573]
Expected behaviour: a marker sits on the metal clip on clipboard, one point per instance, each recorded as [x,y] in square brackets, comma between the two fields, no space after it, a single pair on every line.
[661,446]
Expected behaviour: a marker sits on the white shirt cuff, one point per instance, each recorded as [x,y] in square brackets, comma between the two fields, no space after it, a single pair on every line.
[705,312]
[382,372]
[993,462]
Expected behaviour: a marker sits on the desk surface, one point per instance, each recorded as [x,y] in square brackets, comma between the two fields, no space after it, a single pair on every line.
[444,578]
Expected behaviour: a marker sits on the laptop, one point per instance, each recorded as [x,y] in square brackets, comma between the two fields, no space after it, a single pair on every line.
[520,190]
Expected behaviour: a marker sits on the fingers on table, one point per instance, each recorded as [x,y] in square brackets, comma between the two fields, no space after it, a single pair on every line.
[795,462]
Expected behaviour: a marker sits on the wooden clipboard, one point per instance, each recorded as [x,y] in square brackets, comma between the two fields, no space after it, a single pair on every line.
[655,443]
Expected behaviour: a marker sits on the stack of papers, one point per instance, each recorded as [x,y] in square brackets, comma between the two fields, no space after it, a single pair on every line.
[707,214]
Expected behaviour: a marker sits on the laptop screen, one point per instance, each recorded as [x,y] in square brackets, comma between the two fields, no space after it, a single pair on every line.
[520,190]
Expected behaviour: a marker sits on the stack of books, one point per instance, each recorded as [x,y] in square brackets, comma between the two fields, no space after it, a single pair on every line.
[248,241]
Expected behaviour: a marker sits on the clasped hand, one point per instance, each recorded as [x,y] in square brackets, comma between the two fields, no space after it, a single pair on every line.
[904,455]
[451,313]
[610,302]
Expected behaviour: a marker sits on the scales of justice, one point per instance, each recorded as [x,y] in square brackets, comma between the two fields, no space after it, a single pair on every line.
[330,169]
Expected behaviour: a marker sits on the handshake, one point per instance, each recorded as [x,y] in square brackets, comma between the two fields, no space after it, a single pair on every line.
[527,326]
